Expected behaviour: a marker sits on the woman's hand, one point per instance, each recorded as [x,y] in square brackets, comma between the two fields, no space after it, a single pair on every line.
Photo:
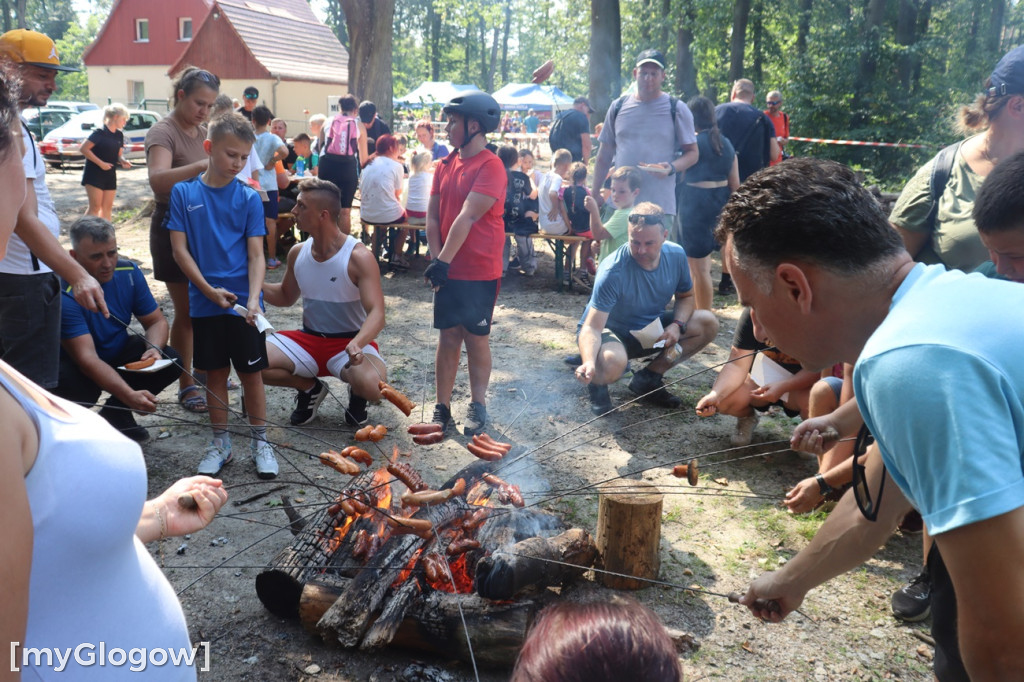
[166,517]
[771,392]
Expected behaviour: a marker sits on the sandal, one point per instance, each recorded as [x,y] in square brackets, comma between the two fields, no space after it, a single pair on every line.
[193,402]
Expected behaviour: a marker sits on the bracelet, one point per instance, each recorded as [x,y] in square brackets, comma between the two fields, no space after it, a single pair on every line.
[160,520]
[680,324]
[823,487]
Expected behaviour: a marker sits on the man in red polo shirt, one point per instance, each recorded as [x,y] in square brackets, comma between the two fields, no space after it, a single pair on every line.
[466,234]
[780,120]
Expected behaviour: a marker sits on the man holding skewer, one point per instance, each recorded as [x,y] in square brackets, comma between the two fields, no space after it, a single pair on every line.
[342,311]
[828,280]
[632,287]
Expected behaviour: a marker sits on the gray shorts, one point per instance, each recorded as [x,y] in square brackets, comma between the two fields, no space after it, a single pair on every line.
[30,326]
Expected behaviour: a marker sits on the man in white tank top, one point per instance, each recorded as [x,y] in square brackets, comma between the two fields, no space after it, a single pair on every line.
[343,311]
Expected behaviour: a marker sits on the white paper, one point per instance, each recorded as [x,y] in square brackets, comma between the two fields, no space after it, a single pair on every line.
[158,365]
[767,371]
[261,322]
[648,336]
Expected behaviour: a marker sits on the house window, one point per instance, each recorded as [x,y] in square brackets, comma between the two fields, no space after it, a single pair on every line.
[136,92]
[184,29]
[142,30]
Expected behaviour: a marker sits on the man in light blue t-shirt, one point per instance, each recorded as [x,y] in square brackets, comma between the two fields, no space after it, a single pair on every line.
[940,385]
[632,289]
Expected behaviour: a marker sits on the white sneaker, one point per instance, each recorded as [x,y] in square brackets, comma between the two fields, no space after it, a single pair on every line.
[217,455]
[744,430]
[263,456]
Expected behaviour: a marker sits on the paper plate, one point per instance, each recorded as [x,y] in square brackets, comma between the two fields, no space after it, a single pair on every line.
[156,366]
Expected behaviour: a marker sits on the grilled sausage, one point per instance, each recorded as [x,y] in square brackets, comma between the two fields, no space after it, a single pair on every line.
[407,475]
[429,438]
[462,546]
[396,398]
[423,428]
[487,441]
[484,453]
[140,364]
[339,463]
[363,434]
[378,432]
[359,455]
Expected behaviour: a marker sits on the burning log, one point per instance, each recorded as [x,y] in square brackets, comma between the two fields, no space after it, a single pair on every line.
[528,564]
[629,533]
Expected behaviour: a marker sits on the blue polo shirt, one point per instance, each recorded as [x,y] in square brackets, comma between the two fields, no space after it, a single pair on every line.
[126,294]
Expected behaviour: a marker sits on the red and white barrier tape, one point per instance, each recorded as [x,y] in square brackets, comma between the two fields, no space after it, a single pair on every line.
[858,143]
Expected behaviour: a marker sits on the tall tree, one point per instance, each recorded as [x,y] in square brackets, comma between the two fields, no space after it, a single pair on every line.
[686,70]
[803,26]
[504,42]
[738,45]
[605,53]
[370,26]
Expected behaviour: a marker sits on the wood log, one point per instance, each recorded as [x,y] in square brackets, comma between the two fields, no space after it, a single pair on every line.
[530,564]
[629,533]
[318,596]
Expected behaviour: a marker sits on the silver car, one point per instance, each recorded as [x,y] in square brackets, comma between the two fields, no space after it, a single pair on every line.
[61,145]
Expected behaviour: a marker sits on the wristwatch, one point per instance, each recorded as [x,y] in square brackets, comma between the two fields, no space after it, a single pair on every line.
[823,487]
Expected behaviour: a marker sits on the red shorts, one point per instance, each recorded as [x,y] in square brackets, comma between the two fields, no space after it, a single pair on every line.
[309,351]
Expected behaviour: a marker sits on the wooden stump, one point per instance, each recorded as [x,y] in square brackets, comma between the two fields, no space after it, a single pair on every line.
[629,532]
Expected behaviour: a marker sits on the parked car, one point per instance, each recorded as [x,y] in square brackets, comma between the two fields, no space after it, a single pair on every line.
[60,145]
[77,107]
[42,120]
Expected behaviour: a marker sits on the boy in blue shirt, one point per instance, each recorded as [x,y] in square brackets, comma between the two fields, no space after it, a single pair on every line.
[217,235]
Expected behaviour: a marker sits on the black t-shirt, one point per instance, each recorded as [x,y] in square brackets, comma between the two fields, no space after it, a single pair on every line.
[107,145]
[289,160]
[377,128]
[575,124]
[579,217]
[517,203]
[750,132]
[244,112]
[744,339]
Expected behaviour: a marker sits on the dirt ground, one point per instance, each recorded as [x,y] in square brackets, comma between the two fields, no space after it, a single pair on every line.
[715,536]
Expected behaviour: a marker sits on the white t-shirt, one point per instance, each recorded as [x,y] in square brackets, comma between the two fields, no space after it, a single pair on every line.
[551,182]
[378,186]
[18,260]
[418,191]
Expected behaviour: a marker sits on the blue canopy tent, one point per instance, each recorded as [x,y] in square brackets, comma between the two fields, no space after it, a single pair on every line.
[524,96]
[434,92]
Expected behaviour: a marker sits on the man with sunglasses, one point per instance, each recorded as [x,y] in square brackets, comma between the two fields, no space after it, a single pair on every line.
[632,287]
[938,381]
[251,98]
[780,120]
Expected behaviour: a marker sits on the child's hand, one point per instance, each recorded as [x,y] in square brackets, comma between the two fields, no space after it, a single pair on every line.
[253,310]
[222,297]
[552,214]
[590,205]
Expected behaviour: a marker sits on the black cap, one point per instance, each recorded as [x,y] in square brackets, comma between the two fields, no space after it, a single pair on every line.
[583,100]
[251,93]
[1008,76]
[652,57]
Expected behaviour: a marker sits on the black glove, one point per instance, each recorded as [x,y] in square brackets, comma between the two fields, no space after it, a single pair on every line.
[436,273]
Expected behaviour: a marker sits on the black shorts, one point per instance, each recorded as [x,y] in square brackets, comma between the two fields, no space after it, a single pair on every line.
[634,349]
[469,303]
[343,171]
[96,177]
[221,340]
[165,268]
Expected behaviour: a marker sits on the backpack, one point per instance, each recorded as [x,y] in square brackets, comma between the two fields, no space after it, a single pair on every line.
[941,170]
[559,138]
[341,129]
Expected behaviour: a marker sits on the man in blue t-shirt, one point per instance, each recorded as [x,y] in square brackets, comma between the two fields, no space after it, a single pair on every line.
[632,288]
[938,381]
[94,348]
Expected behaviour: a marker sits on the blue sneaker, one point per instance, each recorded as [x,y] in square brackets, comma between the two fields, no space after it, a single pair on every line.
[217,455]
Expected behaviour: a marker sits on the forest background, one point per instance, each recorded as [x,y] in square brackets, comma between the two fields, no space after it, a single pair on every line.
[873,70]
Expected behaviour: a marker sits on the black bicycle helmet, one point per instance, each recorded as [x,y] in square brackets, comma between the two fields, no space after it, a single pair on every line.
[476,105]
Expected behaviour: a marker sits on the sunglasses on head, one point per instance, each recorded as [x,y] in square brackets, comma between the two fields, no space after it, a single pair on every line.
[637,218]
[206,77]
[868,504]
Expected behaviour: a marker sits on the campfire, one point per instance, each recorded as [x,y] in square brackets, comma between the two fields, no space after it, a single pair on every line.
[391,561]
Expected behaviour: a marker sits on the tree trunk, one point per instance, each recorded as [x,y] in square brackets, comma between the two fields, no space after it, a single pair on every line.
[686,71]
[494,59]
[504,42]
[605,54]
[874,13]
[995,28]
[971,48]
[666,15]
[906,26]
[757,70]
[740,17]
[336,20]
[803,28]
[434,41]
[924,16]
[629,533]
[369,57]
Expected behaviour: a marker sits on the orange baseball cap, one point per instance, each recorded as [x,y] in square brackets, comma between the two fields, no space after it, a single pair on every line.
[31,47]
